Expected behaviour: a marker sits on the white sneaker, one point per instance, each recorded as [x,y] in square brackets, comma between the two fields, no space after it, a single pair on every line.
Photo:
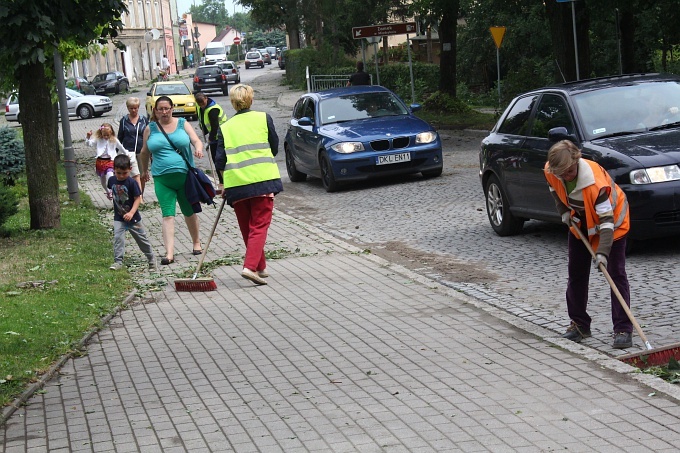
[252,276]
[116,266]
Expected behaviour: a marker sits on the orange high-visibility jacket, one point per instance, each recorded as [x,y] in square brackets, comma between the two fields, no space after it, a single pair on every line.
[592,178]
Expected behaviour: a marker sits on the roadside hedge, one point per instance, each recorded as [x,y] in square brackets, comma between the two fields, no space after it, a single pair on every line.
[394,76]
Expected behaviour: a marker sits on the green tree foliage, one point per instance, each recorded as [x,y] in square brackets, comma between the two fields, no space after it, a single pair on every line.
[210,12]
[277,14]
[9,205]
[31,31]
[12,159]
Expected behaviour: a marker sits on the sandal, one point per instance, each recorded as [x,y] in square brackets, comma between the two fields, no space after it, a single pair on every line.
[166,261]
[197,252]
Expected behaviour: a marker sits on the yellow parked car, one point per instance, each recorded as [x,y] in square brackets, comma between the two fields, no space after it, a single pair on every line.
[182,98]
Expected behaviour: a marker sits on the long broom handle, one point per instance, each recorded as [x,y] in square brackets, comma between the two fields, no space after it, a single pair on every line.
[206,146]
[207,244]
[603,269]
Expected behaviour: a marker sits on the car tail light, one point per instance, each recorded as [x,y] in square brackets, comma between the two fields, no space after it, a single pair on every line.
[233,71]
[196,79]
[224,77]
[6,108]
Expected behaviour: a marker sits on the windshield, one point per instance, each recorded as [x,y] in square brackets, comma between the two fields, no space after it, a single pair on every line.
[171,89]
[360,106]
[253,56]
[632,108]
[215,51]
[73,94]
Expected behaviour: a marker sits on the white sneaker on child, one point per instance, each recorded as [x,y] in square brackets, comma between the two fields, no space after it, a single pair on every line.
[116,266]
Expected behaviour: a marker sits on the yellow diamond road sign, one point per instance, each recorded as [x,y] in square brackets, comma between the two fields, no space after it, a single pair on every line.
[497,33]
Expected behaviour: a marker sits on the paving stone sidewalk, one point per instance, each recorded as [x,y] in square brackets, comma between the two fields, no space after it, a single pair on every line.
[341,352]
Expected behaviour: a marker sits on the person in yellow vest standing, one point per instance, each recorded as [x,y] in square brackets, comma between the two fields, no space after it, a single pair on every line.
[211,117]
[585,194]
[247,144]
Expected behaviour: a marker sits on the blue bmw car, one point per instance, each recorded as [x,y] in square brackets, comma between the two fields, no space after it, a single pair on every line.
[356,133]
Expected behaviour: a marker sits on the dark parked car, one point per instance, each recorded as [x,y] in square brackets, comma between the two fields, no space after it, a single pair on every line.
[349,134]
[110,82]
[210,78]
[629,124]
[281,57]
[80,85]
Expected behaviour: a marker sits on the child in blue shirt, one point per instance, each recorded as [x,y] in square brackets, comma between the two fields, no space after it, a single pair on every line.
[126,199]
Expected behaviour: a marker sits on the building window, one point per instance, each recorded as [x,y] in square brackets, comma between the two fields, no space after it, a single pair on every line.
[157,9]
[149,16]
[131,14]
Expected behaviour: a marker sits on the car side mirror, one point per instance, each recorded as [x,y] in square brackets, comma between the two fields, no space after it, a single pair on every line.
[560,133]
[415,107]
[148,93]
[305,121]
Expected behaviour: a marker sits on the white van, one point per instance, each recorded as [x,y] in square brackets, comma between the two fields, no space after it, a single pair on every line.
[214,52]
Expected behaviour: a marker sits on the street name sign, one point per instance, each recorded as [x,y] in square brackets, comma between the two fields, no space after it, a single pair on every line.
[383,30]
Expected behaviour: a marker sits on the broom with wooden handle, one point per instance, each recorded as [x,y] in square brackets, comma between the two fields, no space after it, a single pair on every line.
[652,356]
[204,283]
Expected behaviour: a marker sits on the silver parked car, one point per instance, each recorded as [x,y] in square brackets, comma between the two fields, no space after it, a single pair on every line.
[231,70]
[254,58]
[82,105]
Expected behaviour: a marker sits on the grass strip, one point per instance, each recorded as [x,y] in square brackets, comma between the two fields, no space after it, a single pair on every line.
[55,285]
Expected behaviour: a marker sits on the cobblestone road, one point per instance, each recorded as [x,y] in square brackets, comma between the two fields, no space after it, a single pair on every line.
[439,228]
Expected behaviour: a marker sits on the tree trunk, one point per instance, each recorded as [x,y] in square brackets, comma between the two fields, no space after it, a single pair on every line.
[628,43]
[447,41]
[41,164]
[293,35]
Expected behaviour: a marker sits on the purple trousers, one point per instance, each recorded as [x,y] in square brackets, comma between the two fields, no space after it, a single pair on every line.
[579,274]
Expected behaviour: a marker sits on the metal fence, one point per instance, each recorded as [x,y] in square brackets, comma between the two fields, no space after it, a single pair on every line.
[320,82]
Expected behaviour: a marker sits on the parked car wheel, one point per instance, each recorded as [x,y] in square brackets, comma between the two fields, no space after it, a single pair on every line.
[85,111]
[327,176]
[122,87]
[497,208]
[293,173]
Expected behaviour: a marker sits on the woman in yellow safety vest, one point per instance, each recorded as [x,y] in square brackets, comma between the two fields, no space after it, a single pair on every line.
[247,144]
[587,198]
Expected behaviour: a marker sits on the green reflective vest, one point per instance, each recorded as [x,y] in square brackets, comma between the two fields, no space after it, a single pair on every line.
[246,145]
[203,115]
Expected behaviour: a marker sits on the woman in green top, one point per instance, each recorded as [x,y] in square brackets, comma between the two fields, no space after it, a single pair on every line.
[169,170]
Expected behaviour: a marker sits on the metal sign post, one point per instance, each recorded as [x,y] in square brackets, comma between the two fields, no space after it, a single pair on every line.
[573,24]
[498,33]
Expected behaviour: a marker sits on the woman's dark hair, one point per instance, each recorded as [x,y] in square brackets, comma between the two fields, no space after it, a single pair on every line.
[163,98]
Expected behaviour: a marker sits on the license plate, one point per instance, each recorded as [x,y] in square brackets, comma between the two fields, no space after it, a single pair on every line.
[178,110]
[209,80]
[393,158]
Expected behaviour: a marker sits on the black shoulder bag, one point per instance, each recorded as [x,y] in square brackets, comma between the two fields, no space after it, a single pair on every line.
[198,187]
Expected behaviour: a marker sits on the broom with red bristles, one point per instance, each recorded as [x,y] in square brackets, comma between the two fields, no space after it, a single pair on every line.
[204,283]
[650,357]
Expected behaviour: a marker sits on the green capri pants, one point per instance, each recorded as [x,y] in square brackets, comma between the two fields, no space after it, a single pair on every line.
[169,191]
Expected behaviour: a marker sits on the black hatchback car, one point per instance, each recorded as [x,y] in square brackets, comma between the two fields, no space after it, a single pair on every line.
[629,124]
[110,82]
[210,78]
